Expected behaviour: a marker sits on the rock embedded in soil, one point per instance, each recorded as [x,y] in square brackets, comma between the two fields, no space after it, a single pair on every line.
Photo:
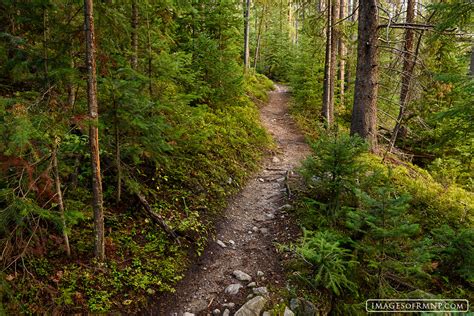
[252,284]
[226,312]
[216,312]
[260,273]
[242,276]
[288,312]
[286,207]
[303,307]
[233,288]
[253,307]
[260,290]
[188,314]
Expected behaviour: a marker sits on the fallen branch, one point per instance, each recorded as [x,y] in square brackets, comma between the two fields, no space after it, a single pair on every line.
[156,217]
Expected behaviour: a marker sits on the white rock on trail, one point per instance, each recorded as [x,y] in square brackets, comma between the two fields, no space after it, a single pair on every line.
[188,314]
[253,307]
[275,159]
[221,243]
[242,276]
[260,273]
[226,312]
[252,284]
[216,312]
[229,305]
[233,288]
[270,215]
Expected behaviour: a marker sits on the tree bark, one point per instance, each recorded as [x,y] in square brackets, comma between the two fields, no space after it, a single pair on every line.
[259,36]
[59,194]
[364,112]
[150,64]
[134,39]
[118,161]
[472,62]
[407,72]
[342,54]
[330,63]
[247,35]
[326,110]
[97,203]
[71,90]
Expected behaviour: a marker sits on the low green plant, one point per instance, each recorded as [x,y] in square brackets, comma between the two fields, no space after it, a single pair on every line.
[331,264]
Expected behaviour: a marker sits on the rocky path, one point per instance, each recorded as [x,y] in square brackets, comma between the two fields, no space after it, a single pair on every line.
[242,262]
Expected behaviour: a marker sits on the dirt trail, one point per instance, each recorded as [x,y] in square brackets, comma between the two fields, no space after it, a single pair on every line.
[254,221]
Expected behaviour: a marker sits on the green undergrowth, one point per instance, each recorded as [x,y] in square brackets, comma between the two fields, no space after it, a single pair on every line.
[256,86]
[376,228]
[207,155]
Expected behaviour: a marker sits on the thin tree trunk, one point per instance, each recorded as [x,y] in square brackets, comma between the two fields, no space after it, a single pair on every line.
[97,203]
[259,36]
[407,72]
[59,194]
[71,91]
[342,54]
[45,47]
[364,112]
[246,35]
[330,62]
[134,39]
[472,62]
[150,87]
[118,162]
[327,66]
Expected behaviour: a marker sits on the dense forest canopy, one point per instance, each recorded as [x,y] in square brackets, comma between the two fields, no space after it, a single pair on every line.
[126,125]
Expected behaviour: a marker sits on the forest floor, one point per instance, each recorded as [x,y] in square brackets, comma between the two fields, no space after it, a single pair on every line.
[253,223]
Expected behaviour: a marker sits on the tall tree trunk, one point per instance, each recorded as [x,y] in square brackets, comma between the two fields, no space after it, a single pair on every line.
[342,54]
[364,112]
[150,84]
[247,35]
[97,203]
[45,48]
[259,36]
[407,72]
[118,161]
[355,10]
[326,110]
[330,63]
[71,90]
[472,62]
[134,39]
[59,194]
